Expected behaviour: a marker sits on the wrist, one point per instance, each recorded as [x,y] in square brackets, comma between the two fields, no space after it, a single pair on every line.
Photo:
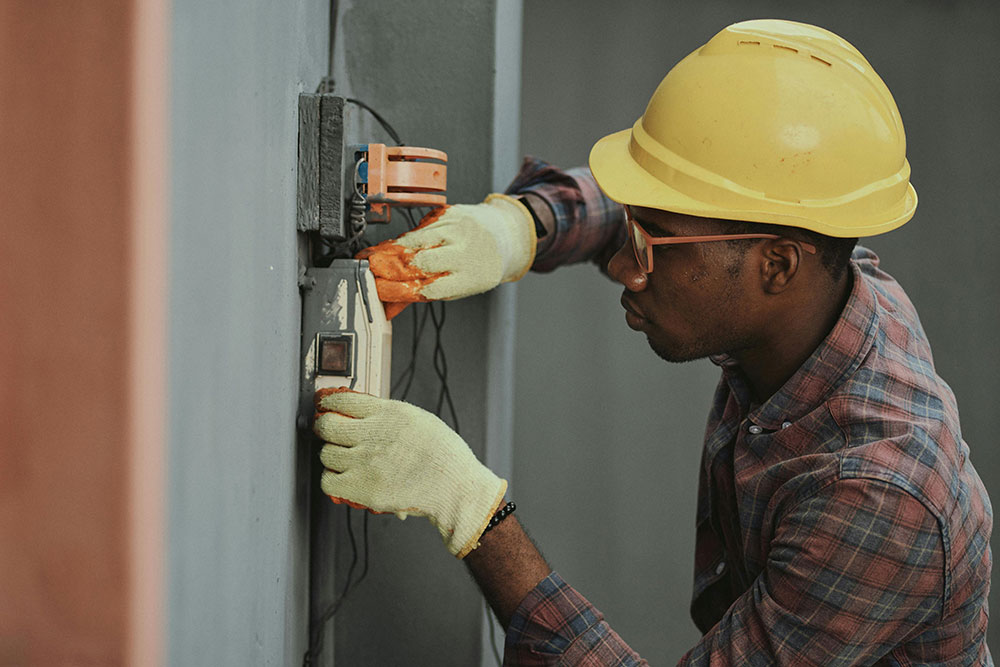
[507,566]
[474,510]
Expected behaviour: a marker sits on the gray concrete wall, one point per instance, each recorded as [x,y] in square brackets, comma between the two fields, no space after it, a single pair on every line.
[237,536]
[607,436]
[239,483]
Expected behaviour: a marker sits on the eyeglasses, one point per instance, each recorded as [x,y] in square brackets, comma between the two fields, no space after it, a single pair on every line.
[643,242]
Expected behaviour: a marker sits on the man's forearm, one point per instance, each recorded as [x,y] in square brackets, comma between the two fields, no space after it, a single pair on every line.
[507,566]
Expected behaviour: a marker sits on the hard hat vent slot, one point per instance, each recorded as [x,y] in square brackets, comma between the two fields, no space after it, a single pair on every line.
[786,48]
[828,64]
[742,42]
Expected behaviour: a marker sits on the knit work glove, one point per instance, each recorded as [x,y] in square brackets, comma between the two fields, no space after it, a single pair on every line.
[390,456]
[456,251]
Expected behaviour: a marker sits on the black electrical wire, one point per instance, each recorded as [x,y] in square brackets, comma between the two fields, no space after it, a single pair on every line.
[440,363]
[355,243]
[364,530]
[382,121]
[419,320]
[316,642]
[332,37]
[444,397]
[409,217]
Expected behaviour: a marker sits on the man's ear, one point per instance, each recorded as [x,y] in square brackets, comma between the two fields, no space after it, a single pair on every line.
[780,261]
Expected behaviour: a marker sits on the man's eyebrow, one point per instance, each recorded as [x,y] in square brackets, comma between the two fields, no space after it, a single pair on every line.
[651,228]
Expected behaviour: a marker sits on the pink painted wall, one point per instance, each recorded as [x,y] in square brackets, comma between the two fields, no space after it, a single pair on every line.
[72,192]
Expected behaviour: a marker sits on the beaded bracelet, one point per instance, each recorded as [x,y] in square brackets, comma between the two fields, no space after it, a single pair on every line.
[501,514]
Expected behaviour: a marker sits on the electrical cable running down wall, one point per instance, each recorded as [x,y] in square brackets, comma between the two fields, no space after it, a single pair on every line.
[390,617]
[324,252]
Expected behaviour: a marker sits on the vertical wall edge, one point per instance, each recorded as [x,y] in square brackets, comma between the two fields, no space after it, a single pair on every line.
[147,390]
[500,349]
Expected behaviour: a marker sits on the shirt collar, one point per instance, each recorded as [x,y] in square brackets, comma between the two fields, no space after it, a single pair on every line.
[836,358]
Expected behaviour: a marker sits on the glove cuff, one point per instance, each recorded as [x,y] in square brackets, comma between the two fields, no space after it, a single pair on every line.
[515,235]
[478,509]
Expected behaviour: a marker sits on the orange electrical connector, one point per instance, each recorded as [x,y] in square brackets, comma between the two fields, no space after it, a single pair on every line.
[404,176]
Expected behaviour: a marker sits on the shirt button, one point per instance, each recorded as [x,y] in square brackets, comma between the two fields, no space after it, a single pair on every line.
[785,424]
[756,430]
[720,568]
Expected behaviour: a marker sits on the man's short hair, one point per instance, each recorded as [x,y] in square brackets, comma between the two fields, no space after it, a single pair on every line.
[833,252]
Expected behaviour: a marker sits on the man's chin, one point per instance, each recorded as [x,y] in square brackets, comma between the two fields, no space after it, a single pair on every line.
[675,354]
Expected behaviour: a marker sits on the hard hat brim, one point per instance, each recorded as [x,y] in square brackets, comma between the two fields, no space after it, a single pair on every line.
[624,181]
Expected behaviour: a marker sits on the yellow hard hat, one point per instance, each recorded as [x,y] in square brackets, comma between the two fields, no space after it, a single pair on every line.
[771,121]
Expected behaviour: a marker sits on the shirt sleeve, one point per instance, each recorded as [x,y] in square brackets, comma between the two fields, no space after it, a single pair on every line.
[852,572]
[588,225]
[555,625]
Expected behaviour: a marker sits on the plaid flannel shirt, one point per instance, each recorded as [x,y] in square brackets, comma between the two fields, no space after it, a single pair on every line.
[588,225]
[840,522]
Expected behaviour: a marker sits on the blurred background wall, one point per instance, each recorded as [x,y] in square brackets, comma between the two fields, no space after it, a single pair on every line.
[82,343]
[607,435]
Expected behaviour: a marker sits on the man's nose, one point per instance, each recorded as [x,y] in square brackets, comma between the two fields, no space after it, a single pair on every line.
[625,270]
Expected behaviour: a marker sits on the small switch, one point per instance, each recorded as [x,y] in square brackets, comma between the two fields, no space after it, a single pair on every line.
[334,355]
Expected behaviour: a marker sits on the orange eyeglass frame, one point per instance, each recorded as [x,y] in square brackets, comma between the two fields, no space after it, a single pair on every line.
[635,230]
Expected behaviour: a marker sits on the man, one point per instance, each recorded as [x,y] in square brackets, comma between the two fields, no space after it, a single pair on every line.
[840,520]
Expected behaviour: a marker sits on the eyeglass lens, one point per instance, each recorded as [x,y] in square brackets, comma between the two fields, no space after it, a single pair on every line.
[639,246]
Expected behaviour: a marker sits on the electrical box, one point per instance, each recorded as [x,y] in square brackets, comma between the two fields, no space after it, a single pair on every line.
[346,339]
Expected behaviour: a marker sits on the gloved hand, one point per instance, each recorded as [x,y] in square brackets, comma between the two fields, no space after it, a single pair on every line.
[390,456]
[456,251]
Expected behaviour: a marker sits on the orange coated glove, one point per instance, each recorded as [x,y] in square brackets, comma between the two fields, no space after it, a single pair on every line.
[456,251]
[390,456]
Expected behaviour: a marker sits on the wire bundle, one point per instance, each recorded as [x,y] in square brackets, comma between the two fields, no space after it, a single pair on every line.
[420,312]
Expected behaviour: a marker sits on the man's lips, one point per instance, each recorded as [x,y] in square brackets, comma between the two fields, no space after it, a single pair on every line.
[633,317]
